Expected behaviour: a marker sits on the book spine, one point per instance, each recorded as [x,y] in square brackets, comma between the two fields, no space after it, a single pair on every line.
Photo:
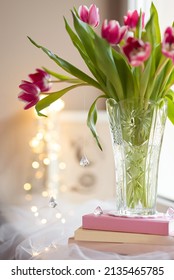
[122,237]
[125,225]
[120,248]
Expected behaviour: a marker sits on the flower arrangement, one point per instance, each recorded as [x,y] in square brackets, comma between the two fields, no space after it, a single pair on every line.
[129,61]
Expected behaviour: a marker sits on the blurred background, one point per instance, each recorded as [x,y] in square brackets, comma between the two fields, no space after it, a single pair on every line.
[43,21]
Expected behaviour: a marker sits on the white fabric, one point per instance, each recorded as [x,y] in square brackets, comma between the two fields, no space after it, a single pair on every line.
[22,237]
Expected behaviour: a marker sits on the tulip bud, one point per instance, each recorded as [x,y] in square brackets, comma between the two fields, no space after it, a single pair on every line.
[168,43]
[112,31]
[90,16]
[132,18]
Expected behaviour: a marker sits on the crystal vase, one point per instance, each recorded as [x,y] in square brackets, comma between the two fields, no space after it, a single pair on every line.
[137,132]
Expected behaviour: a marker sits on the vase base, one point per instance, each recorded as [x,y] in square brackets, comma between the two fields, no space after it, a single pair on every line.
[135,215]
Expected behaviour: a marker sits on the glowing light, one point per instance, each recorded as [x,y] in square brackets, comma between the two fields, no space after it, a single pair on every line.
[35,164]
[43,221]
[57,106]
[35,254]
[46,161]
[34,143]
[58,215]
[27,187]
[62,165]
[34,209]
[36,214]
[47,249]
[45,194]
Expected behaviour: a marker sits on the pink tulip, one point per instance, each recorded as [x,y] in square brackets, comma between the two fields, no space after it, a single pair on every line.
[41,79]
[112,31]
[168,43]
[29,95]
[132,18]
[136,51]
[90,16]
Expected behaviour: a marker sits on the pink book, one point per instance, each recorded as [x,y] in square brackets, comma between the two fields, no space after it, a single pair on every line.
[158,225]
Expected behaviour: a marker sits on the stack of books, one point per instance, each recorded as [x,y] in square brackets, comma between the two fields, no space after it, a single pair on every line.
[125,235]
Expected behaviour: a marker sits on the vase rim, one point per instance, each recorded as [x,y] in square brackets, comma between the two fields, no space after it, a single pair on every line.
[137,100]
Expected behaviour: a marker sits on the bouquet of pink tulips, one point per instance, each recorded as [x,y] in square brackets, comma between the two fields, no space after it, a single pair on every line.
[130,61]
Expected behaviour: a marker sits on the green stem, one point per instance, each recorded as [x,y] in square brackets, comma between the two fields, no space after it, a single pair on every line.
[161,66]
[158,71]
[72,81]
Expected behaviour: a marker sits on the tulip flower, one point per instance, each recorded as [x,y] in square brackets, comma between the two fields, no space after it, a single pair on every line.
[29,95]
[90,16]
[112,32]
[41,79]
[132,18]
[168,43]
[136,51]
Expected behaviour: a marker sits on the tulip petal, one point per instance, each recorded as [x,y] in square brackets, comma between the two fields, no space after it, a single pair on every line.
[29,95]
[93,16]
[30,88]
[168,43]
[31,104]
[23,96]
[90,16]
[112,31]
[136,51]
[132,18]
[83,13]
[41,79]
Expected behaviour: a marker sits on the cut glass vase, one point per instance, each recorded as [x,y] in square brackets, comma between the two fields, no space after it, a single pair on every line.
[137,132]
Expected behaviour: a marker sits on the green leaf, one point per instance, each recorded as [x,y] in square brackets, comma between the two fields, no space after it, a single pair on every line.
[125,74]
[166,72]
[154,74]
[105,62]
[170,110]
[100,53]
[170,80]
[145,78]
[170,95]
[152,34]
[62,78]
[139,27]
[52,97]
[67,66]
[80,47]
[86,35]
[92,120]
